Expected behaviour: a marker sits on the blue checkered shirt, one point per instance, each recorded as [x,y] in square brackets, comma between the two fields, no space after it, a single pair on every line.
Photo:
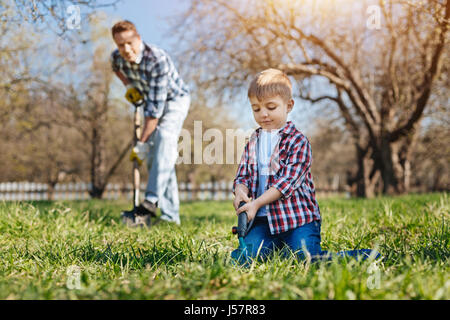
[155,76]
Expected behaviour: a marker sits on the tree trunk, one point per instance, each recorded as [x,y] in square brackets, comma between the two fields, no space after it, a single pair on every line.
[52,181]
[97,192]
[51,191]
[395,164]
[405,155]
[406,176]
[437,179]
[366,176]
[389,165]
[383,167]
[97,164]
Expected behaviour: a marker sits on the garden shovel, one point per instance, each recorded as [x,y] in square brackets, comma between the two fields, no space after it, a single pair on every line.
[241,253]
[129,217]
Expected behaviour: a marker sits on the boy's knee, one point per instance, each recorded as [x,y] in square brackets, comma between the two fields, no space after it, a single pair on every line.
[251,252]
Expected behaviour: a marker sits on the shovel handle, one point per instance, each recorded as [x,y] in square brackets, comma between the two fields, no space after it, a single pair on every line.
[242,222]
[136,175]
[139,103]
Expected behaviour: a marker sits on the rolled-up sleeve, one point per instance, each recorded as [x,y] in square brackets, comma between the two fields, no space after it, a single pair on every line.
[243,174]
[158,89]
[292,174]
[114,61]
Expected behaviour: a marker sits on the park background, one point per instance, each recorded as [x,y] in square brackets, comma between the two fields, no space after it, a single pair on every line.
[64,119]
[371,87]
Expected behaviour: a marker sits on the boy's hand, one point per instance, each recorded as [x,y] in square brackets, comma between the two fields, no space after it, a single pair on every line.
[251,208]
[241,194]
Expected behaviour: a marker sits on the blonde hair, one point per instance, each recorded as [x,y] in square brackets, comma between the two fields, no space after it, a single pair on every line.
[122,26]
[270,83]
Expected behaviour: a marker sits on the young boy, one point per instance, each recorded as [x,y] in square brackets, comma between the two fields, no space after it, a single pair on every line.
[274,179]
[274,175]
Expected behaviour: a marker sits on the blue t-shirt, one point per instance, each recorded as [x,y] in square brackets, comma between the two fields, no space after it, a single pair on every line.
[266,145]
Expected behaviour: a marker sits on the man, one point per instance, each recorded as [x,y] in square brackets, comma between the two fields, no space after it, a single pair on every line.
[147,69]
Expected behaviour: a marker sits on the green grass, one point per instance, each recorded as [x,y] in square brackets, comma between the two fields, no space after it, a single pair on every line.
[41,241]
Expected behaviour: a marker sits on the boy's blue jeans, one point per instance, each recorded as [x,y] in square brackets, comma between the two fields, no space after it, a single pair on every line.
[303,241]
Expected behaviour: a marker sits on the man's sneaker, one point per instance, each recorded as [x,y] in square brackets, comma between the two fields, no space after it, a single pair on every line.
[133,220]
[128,217]
[143,220]
[147,208]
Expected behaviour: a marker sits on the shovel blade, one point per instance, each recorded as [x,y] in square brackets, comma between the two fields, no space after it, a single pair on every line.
[241,255]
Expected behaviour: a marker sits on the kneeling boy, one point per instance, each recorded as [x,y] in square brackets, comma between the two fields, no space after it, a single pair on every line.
[274,175]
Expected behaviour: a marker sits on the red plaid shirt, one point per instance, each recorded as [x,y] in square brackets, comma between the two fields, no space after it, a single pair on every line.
[289,173]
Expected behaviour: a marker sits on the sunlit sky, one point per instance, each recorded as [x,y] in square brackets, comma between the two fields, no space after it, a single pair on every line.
[150,17]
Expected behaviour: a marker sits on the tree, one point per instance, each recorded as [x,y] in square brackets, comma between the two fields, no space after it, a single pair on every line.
[430,163]
[30,19]
[23,103]
[379,79]
[332,154]
[60,15]
[92,111]
[64,123]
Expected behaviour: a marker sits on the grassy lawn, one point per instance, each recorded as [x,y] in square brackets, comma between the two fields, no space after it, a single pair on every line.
[44,245]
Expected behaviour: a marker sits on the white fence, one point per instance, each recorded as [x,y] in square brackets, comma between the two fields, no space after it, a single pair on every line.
[24,191]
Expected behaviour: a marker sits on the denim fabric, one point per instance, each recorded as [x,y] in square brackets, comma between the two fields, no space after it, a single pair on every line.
[302,241]
[162,184]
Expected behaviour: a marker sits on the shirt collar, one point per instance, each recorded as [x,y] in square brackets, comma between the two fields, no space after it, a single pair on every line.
[288,128]
[141,53]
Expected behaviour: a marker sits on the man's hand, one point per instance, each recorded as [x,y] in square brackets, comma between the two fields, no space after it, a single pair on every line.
[133,95]
[150,125]
[139,152]
[241,194]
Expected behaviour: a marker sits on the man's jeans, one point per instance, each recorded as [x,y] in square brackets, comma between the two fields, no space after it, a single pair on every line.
[162,184]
